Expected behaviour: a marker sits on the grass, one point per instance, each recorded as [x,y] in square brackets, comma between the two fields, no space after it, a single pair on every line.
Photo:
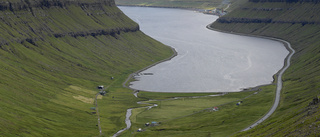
[192,116]
[47,84]
[294,116]
[159,95]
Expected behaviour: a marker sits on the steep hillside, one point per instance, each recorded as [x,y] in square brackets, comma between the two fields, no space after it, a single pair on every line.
[53,55]
[297,22]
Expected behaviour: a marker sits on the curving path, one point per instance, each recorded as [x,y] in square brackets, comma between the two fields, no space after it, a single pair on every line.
[271,111]
[97,112]
[128,123]
[279,78]
[279,84]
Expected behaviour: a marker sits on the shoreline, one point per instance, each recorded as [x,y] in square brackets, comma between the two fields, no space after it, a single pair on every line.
[184,8]
[244,89]
[285,44]
[277,76]
[175,53]
[181,8]
[277,79]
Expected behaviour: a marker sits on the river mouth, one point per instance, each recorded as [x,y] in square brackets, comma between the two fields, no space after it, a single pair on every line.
[207,61]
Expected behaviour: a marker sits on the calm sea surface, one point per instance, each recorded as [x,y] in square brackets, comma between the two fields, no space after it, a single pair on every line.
[207,61]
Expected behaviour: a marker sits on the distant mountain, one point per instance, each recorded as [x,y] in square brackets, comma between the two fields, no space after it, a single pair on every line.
[297,22]
[198,4]
[53,55]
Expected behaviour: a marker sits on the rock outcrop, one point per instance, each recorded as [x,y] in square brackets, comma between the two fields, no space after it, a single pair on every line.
[36,19]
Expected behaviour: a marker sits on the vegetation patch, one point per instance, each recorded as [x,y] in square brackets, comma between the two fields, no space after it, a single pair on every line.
[52,58]
[200,115]
[84,99]
[297,23]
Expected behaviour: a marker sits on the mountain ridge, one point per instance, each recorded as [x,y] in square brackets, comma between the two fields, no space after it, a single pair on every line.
[35,10]
[52,58]
[296,23]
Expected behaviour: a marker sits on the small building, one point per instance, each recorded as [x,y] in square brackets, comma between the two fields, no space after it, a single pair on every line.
[215,109]
[100,87]
[239,103]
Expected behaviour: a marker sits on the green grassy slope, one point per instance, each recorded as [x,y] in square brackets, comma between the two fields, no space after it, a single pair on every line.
[193,117]
[297,23]
[52,57]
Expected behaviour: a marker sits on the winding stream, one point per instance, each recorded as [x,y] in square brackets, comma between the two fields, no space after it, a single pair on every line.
[129,111]
[207,61]
[267,115]
[227,63]
[128,123]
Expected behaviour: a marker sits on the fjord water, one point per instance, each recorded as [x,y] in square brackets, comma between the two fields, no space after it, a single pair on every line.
[207,61]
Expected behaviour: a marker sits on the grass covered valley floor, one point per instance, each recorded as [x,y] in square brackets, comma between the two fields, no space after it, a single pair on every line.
[192,114]
[53,55]
[296,22]
[298,112]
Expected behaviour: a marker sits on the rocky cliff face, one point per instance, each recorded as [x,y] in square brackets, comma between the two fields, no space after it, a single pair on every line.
[297,22]
[277,12]
[15,5]
[36,19]
[53,53]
